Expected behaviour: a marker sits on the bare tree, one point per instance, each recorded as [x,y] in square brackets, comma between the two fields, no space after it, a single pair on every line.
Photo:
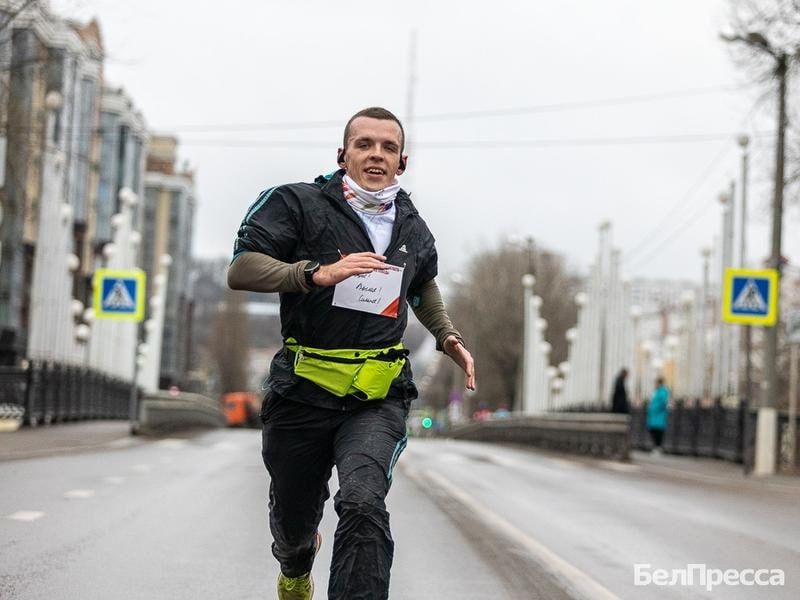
[487,307]
[761,32]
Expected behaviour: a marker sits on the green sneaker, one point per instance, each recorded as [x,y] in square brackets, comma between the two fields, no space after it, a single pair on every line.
[298,588]
[295,588]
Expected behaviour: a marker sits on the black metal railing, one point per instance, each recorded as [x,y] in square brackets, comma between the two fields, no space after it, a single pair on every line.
[716,430]
[51,392]
[601,435]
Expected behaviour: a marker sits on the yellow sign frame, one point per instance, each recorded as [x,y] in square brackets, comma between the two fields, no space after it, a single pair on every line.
[768,320]
[101,275]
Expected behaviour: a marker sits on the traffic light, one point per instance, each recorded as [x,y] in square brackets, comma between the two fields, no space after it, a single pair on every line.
[427,422]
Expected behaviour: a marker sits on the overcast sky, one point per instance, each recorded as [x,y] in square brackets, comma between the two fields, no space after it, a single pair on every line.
[653,162]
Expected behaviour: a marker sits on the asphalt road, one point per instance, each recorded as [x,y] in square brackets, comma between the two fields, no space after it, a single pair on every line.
[186,518]
[591,521]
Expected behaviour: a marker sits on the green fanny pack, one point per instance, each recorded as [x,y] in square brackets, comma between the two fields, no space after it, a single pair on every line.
[365,374]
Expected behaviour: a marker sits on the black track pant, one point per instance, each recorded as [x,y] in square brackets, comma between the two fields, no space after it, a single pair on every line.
[301,444]
[657,435]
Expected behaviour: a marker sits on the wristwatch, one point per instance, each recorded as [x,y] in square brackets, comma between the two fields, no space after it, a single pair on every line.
[309,270]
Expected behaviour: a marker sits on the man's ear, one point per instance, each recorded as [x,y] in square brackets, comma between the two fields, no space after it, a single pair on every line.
[340,158]
[403,164]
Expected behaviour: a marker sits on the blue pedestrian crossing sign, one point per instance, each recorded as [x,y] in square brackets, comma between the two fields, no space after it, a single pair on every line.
[750,297]
[119,294]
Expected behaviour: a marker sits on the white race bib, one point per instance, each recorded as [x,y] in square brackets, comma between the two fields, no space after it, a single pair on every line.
[377,292]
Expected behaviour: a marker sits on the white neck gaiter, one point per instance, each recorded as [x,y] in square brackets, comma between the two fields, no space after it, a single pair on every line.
[375,209]
[369,202]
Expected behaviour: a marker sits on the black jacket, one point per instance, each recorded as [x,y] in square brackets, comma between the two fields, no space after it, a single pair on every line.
[619,400]
[313,221]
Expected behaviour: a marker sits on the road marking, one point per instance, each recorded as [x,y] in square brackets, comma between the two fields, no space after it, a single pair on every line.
[563,463]
[572,577]
[450,457]
[228,446]
[502,461]
[171,443]
[114,480]
[142,468]
[651,468]
[80,494]
[621,467]
[26,515]
[121,443]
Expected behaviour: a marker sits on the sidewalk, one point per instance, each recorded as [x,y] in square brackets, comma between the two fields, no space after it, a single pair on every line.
[710,470]
[65,438]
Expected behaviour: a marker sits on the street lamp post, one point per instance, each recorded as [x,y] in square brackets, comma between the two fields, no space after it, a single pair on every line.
[703,323]
[646,375]
[687,352]
[636,317]
[723,371]
[528,281]
[580,345]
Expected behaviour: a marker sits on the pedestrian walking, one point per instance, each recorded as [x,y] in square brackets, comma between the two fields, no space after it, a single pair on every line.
[348,253]
[657,415]
[619,397]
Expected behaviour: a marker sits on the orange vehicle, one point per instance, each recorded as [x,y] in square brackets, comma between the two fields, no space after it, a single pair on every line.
[242,409]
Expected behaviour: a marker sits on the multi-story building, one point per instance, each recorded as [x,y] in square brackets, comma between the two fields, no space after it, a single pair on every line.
[121,164]
[71,143]
[42,57]
[167,228]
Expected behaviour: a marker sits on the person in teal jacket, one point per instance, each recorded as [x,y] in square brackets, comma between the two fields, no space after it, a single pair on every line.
[657,414]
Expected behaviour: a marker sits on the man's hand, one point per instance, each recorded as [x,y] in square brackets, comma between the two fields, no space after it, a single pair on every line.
[357,263]
[462,357]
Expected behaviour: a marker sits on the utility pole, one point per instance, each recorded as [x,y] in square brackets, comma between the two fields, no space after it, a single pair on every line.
[767,427]
[794,375]
[775,259]
[748,330]
[766,430]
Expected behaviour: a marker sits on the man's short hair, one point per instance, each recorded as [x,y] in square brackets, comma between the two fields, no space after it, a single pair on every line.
[375,112]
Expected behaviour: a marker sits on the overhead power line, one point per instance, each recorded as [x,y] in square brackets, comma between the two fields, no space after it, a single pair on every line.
[667,223]
[475,114]
[677,209]
[675,232]
[677,229]
[584,104]
[444,116]
[488,144]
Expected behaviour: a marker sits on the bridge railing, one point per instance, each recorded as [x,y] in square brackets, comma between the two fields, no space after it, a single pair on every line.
[50,392]
[163,412]
[597,434]
[719,430]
